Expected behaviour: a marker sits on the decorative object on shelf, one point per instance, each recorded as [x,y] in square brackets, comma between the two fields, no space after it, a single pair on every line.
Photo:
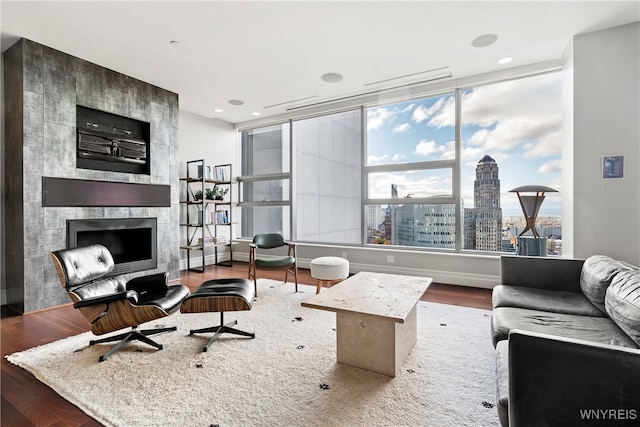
[198,195]
[216,193]
[530,204]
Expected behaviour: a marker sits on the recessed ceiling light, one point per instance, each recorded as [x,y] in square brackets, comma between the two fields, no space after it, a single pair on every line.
[484,40]
[174,42]
[332,77]
[235,102]
[505,60]
[218,110]
[255,113]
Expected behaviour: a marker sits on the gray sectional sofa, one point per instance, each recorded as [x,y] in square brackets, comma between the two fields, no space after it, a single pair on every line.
[567,338]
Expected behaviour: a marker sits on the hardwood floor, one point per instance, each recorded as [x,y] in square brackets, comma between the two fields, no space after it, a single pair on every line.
[27,402]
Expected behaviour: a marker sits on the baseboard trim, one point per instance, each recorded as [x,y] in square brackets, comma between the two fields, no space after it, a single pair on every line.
[438,276]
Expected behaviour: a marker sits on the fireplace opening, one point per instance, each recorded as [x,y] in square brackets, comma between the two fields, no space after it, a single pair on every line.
[131,241]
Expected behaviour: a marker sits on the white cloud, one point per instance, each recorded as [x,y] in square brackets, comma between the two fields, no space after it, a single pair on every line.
[445,114]
[548,145]
[408,108]
[479,138]
[426,148]
[397,157]
[418,184]
[377,117]
[448,151]
[402,128]
[515,111]
[375,159]
[538,138]
[420,114]
[553,166]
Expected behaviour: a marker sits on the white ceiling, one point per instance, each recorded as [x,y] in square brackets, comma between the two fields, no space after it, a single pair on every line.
[267,53]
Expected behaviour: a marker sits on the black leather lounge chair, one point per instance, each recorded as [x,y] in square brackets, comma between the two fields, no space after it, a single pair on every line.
[110,303]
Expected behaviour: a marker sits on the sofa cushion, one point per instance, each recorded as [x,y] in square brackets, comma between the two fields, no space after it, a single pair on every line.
[595,278]
[622,302]
[544,300]
[590,328]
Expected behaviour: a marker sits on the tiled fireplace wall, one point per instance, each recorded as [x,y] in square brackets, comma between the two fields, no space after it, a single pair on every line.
[42,88]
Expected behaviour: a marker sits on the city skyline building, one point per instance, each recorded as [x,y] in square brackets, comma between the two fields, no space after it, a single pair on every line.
[483,223]
[430,225]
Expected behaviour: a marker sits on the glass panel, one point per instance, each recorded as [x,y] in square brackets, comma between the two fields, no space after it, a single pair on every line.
[265,191]
[265,150]
[428,225]
[511,136]
[264,219]
[413,131]
[328,189]
[415,183]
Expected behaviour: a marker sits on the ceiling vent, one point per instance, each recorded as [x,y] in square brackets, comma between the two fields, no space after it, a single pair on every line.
[443,74]
[291,101]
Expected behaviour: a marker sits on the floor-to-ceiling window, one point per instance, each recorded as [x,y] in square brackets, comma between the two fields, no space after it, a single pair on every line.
[409,173]
[327,178]
[511,137]
[432,172]
[265,181]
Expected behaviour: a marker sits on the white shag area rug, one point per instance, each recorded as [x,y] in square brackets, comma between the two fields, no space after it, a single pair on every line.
[286,376]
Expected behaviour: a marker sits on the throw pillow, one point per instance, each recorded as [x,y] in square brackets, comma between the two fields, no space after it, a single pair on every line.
[622,302]
[595,277]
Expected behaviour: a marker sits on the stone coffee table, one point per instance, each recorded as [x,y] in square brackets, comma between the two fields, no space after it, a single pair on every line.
[375,318]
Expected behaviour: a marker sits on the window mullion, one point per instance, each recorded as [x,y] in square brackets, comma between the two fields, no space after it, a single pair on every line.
[457,174]
[292,184]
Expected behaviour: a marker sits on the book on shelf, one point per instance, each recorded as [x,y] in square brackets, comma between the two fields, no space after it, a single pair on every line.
[220,217]
[222,173]
[218,240]
[206,241]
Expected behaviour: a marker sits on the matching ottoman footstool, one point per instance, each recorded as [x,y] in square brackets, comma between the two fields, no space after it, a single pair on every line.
[220,295]
[329,270]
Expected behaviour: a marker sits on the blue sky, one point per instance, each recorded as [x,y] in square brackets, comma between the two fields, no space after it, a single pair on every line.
[517,122]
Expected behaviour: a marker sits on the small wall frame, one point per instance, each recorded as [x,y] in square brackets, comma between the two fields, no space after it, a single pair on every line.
[612,167]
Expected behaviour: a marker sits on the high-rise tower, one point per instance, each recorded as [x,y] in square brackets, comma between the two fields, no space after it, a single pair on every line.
[483,222]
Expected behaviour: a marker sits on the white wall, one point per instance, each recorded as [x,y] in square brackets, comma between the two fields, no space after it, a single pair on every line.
[210,139]
[606,99]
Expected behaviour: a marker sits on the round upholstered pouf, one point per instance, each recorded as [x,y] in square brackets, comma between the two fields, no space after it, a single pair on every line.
[329,269]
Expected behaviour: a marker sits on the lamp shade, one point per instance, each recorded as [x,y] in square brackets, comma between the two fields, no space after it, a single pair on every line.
[533,189]
[530,204]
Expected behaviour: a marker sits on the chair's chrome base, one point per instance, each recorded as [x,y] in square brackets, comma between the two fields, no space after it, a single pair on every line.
[221,329]
[133,335]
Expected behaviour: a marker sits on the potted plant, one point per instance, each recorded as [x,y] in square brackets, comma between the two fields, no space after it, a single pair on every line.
[216,193]
[198,195]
